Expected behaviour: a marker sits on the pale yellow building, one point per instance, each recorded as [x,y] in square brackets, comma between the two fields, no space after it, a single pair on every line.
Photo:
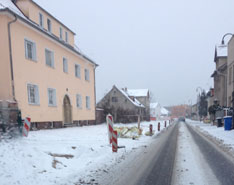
[40,67]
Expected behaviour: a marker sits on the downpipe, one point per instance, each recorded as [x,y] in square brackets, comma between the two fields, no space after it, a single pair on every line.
[10,55]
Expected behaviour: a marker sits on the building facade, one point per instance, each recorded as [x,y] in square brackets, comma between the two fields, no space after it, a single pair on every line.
[40,68]
[194,112]
[230,70]
[210,102]
[220,75]
[155,111]
[122,106]
[143,96]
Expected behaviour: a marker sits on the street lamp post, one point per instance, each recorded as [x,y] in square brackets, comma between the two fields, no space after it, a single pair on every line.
[197,89]
[227,34]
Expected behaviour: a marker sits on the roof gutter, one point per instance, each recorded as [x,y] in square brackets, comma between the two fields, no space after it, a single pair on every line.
[10,55]
[95,96]
[53,16]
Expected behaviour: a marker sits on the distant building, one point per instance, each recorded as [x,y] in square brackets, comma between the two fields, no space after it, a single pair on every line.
[194,112]
[41,69]
[123,106]
[179,110]
[143,96]
[210,100]
[220,75]
[155,111]
[164,112]
[158,112]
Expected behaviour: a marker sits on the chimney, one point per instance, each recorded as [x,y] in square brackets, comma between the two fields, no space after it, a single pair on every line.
[125,89]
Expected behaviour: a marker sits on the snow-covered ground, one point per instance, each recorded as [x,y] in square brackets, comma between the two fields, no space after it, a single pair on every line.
[218,133]
[64,156]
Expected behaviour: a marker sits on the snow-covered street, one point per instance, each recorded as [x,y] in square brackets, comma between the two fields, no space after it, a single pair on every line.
[82,155]
[199,158]
[116,92]
[196,160]
[190,165]
[65,156]
[217,133]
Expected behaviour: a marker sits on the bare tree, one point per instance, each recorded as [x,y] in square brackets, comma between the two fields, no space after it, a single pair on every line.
[151,97]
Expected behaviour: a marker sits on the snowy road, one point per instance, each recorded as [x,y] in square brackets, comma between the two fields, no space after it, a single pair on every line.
[220,163]
[190,165]
[150,165]
[178,156]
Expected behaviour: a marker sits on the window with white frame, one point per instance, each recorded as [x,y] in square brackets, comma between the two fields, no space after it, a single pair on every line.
[41,20]
[51,97]
[49,56]
[78,101]
[49,25]
[61,33]
[88,102]
[33,94]
[86,74]
[30,49]
[77,70]
[66,36]
[65,65]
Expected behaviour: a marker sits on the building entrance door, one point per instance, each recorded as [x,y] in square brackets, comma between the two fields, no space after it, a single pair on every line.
[67,110]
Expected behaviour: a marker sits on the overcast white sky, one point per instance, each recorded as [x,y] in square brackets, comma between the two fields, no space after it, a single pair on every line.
[166,46]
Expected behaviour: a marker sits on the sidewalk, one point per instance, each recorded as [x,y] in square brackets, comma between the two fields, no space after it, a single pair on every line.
[64,156]
[225,137]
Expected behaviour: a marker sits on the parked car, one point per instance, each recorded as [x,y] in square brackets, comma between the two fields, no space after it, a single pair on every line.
[181,119]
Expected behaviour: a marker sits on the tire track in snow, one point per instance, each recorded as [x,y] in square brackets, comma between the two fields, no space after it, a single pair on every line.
[222,167]
[190,166]
[163,165]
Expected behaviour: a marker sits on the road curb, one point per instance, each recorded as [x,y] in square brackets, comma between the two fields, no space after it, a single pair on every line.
[214,140]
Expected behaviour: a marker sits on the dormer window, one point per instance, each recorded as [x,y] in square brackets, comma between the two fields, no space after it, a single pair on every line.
[41,20]
[49,27]
[60,33]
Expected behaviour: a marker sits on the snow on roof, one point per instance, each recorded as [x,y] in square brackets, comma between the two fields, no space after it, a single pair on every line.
[135,102]
[153,105]
[10,5]
[164,111]
[221,50]
[138,92]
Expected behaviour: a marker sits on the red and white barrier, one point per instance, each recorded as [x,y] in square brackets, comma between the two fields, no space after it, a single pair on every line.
[151,129]
[109,121]
[26,127]
[114,141]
